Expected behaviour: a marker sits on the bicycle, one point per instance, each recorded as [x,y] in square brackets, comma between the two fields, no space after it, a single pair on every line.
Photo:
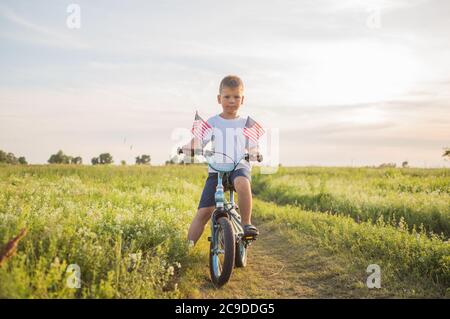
[228,245]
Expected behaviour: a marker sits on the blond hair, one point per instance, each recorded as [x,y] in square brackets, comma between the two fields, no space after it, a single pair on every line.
[231,81]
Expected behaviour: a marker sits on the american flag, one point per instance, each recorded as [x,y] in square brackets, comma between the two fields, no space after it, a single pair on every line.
[253,130]
[200,128]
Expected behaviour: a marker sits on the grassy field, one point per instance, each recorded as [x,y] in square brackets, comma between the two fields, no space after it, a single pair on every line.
[125,227]
[418,197]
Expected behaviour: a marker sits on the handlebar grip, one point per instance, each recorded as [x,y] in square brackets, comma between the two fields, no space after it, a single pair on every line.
[192,151]
[209,153]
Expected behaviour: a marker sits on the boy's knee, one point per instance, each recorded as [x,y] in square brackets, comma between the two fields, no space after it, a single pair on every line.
[204,213]
[241,183]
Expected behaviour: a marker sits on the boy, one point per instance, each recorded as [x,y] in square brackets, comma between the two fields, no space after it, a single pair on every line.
[231,98]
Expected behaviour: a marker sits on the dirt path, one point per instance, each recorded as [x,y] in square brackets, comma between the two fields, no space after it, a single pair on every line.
[280,268]
[276,270]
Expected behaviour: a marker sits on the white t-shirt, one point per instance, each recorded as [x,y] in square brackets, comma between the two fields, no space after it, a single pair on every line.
[227,137]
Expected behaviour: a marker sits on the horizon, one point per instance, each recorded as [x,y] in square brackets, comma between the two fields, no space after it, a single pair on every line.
[117,162]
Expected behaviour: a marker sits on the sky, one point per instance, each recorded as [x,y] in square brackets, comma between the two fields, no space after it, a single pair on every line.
[335,83]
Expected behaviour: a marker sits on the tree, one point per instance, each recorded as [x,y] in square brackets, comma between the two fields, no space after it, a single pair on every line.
[172,160]
[123,162]
[59,158]
[143,159]
[405,164]
[10,158]
[76,160]
[106,158]
[176,159]
[446,154]
[22,160]
[387,165]
[2,156]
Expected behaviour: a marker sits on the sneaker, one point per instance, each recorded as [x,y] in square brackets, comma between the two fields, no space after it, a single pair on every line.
[250,230]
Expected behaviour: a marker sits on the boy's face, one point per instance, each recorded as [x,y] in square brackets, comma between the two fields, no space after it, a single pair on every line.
[231,99]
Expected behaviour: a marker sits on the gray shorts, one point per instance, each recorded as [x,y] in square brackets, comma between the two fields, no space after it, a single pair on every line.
[209,190]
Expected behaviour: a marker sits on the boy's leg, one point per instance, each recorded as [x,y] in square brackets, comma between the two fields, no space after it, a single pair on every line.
[205,209]
[244,191]
[199,222]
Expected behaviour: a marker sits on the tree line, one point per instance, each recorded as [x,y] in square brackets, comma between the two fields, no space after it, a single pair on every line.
[61,158]
[10,158]
[144,159]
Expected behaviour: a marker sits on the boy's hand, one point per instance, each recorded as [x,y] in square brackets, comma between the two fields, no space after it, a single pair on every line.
[186,151]
[254,154]
[191,148]
[256,157]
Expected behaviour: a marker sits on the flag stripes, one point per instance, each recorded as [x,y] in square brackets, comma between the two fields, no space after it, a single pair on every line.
[200,128]
[253,130]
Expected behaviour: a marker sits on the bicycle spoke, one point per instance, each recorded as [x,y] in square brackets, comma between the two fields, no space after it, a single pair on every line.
[221,250]
[222,244]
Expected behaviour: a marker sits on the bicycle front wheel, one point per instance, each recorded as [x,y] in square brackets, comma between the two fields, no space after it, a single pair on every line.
[241,254]
[222,252]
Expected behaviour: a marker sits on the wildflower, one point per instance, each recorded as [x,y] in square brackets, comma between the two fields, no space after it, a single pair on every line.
[133,257]
[55,262]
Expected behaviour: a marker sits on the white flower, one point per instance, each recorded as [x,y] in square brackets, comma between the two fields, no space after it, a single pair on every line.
[135,257]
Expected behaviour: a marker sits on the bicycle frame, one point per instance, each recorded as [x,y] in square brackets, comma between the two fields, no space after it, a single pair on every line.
[222,206]
[226,209]
[227,233]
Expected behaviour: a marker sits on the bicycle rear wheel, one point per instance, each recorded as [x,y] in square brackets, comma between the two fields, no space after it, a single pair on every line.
[222,252]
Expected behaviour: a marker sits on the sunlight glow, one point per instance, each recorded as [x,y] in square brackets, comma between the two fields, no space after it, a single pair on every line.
[358,73]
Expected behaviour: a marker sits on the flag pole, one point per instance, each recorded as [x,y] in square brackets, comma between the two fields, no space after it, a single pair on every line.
[247,142]
[193,140]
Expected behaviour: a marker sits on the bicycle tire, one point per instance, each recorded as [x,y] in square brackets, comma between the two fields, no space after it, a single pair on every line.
[240,255]
[229,253]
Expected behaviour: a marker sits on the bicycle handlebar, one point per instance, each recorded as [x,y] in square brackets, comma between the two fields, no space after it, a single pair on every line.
[259,157]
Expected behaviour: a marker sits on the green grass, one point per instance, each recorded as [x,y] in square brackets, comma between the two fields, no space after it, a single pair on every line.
[126,226]
[420,197]
[410,261]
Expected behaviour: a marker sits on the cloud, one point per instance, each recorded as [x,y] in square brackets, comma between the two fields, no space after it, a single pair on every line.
[37,34]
